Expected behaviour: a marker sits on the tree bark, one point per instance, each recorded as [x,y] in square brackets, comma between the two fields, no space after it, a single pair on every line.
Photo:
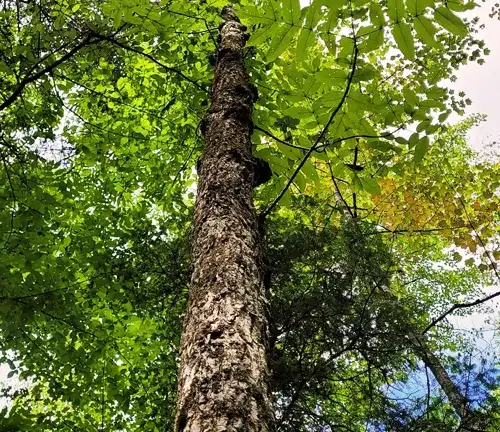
[224,373]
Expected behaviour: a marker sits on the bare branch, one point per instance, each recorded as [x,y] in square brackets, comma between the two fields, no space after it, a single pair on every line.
[460,306]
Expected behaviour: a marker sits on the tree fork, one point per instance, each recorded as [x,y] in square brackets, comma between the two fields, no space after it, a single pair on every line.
[224,378]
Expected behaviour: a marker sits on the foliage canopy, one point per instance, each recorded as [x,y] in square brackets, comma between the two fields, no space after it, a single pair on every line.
[378,213]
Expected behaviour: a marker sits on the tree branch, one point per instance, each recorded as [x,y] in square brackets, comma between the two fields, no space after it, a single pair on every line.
[274,137]
[460,306]
[266,212]
[31,78]
[338,191]
[150,57]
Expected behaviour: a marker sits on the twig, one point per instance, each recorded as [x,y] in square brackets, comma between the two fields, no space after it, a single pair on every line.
[150,57]
[274,137]
[29,79]
[460,306]
[354,163]
[266,212]
[338,191]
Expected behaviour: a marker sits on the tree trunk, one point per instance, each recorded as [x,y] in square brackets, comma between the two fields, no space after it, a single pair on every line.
[224,373]
[471,421]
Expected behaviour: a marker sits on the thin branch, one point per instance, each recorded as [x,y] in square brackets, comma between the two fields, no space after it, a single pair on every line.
[460,306]
[492,264]
[411,231]
[354,163]
[150,57]
[29,79]
[274,137]
[338,191]
[63,320]
[266,212]
[339,140]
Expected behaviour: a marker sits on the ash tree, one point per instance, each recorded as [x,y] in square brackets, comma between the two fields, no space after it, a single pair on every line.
[245,217]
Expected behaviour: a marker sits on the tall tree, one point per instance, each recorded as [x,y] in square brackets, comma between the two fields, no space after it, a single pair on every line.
[224,377]
[102,108]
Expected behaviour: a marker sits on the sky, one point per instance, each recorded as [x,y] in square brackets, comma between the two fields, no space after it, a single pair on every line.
[481,83]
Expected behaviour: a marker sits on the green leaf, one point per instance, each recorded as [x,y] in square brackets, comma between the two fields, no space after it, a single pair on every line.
[460,6]
[357,185]
[443,116]
[365,73]
[412,142]
[383,146]
[404,39]
[59,22]
[373,41]
[309,170]
[421,148]
[76,7]
[425,30]
[396,10]
[280,42]
[417,7]
[469,262]
[450,21]
[256,15]
[307,35]
[117,18]
[377,17]
[422,126]
[370,185]
[291,8]
[410,96]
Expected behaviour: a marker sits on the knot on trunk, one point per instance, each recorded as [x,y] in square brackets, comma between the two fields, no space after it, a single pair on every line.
[228,14]
[262,172]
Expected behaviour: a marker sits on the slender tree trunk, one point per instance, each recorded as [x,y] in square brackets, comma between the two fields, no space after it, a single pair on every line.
[453,393]
[470,420]
[224,374]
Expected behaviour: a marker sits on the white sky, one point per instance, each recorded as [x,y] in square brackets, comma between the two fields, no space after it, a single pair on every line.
[482,83]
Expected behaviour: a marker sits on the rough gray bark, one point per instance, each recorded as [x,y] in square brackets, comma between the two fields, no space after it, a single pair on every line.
[224,373]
